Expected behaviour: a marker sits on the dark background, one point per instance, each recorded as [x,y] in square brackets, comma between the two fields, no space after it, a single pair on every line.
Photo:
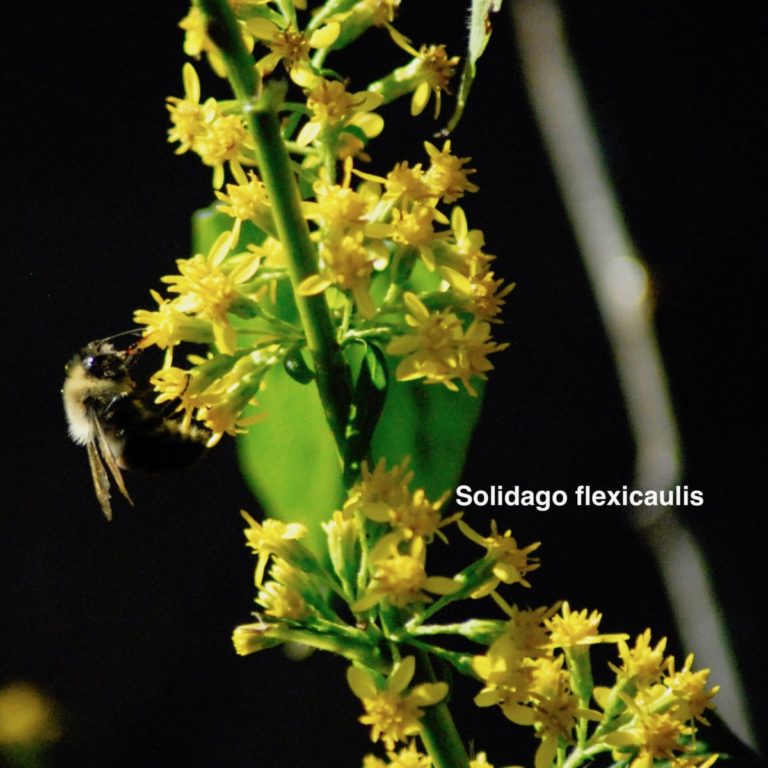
[127,625]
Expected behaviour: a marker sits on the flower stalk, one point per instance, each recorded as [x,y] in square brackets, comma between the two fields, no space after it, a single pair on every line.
[260,112]
[438,731]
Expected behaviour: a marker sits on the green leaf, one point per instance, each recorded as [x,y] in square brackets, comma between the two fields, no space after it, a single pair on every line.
[290,460]
[367,404]
[430,424]
[479,34]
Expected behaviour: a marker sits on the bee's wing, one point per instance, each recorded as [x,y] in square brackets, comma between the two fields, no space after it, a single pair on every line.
[109,460]
[100,479]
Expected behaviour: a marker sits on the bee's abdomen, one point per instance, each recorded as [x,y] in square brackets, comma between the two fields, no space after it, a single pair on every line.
[162,446]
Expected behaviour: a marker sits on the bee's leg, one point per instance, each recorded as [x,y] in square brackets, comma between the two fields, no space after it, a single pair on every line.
[120,411]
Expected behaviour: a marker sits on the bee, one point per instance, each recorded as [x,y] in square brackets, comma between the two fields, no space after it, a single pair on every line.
[118,421]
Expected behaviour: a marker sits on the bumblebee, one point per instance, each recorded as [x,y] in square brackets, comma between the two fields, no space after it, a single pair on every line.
[118,421]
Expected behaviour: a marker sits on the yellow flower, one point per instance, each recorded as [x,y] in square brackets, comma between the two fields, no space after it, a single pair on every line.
[332,106]
[216,137]
[446,177]
[439,350]
[414,228]
[655,736]
[247,201]
[577,628]
[281,601]
[208,286]
[338,207]
[691,687]
[472,353]
[197,40]
[554,709]
[506,671]
[226,141]
[400,578]
[415,515]
[188,116]
[643,663]
[343,535]
[479,293]
[430,351]
[436,70]
[511,562]
[380,491]
[403,185]
[289,46]
[463,251]
[347,264]
[392,714]
[250,638]
[407,184]
[26,716]
[168,326]
[222,407]
[275,538]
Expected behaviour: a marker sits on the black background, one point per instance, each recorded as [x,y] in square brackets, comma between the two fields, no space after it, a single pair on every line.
[127,625]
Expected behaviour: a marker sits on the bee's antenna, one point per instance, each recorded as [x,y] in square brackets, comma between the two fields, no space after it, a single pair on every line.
[133,331]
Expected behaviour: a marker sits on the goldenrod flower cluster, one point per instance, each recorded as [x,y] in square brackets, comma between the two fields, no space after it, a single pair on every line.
[397,263]
[375,606]
[331,259]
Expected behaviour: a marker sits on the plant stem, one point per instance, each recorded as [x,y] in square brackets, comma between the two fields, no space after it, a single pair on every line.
[438,731]
[260,112]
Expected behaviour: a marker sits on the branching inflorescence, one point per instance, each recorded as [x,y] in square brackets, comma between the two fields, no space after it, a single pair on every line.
[320,264]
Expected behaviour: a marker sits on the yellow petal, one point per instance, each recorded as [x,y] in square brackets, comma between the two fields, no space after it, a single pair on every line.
[361,683]
[365,101]
[426,694]
[367,601]
[518,714]
[441,585]
[402,675]
[458,281]
[369,123]
[415,306]
[262,28]
[488,697]
[470,533]
[545,754]
[313,285]
[601,694]
[459,223]
[308,133]
[191,83]
[220,248]
[325,36]
[402,345]
[419,99]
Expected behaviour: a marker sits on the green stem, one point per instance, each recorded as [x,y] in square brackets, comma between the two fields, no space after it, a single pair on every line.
[438,731]
[329,9]
[579,756]
[461,662]
[260,112]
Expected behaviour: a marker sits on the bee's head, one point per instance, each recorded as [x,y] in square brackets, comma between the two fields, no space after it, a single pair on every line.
[101,360]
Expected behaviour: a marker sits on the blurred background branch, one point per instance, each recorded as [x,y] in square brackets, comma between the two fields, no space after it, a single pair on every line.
[620,284]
